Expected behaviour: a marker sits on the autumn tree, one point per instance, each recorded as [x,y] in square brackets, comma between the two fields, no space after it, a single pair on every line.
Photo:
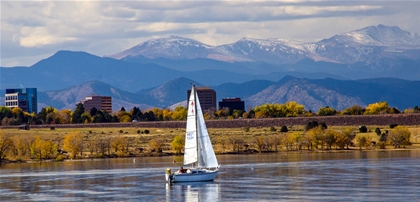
[353,110]
[276,140]
[222,141]
[73,143]
[23,145]
[180,113]
[364,141]
[307,140]
[399,137]
[5,115]
[120,145]
[378,108]
[318,136]
[330,137]
[236,143]
[298,139]
[177,143]
[37,148]
[157,144]
[340,139]
[6,145]
[326,111]
[294,109]
[86,117]
[350,135]
[259,143]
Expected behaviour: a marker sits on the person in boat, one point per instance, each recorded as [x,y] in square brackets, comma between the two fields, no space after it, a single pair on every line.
[182,170]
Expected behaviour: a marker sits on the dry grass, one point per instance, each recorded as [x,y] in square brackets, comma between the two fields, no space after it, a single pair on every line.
[142,140]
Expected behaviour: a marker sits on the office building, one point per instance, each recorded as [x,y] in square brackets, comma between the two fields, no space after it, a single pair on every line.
[232,103]
[25,98]
[99,102]
[206,96]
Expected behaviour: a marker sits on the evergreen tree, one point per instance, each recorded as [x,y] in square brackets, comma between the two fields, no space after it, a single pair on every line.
[77,114]
[93,111]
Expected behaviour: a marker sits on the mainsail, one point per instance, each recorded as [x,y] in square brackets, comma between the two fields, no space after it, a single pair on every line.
[190,150]
[198,147]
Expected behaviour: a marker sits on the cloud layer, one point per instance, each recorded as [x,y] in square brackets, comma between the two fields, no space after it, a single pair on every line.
[33,30]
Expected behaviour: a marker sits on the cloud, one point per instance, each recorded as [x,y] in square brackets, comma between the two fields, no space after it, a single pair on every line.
[31,28]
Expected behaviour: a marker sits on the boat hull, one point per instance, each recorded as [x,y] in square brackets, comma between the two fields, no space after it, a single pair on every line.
[192,177]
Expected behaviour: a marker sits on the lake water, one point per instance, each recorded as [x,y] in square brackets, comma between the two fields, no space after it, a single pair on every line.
[347,176]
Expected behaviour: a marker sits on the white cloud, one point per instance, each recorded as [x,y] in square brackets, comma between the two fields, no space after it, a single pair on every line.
[31,29]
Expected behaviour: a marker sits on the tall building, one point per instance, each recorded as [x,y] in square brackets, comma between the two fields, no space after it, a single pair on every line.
[99,102]
[25,98]
[206,96]
[232,103]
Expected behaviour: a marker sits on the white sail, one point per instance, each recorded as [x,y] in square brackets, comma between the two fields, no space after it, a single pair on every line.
[206,155]
[198,148]
[190,150]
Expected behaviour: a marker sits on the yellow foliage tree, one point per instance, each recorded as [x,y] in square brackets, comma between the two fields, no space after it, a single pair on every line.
[73,143]
[180,113]
[119,144]
[318,136]
[125,118]
[399,137]
[378,108]
[6,145]
[294,109]
[37,148]
[157,144]
[178,143]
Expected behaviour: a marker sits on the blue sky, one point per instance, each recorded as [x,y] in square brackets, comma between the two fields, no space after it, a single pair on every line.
[34,30]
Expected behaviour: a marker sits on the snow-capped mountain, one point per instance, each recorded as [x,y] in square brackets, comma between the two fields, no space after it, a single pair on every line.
[363,45]
[173,47]
[367,44]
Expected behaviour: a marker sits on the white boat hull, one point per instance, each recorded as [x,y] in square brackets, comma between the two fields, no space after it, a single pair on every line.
[207,175]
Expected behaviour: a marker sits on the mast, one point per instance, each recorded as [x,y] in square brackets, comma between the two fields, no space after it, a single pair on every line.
[196,123]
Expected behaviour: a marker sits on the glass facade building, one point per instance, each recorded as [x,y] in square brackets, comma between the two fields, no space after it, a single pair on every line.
[24,98]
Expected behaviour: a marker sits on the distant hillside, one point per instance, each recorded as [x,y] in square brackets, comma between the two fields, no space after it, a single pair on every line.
[313,93]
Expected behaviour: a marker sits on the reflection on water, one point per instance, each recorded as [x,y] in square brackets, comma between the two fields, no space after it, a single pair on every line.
[193,191]
[354,176]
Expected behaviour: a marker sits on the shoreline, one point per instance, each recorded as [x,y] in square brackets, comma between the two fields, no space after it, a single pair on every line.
[165,154]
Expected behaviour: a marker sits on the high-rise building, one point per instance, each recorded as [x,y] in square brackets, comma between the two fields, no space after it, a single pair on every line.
[232,103]
[99,102]
[25,98]
[206,96]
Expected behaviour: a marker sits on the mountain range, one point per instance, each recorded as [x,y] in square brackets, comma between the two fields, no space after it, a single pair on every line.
[376,63]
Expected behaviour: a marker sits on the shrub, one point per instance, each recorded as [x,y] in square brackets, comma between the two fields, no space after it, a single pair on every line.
[59,158]
[138,131]
[146,131]
[272,128]
[246,129]
[121,131]
[381,145]
[378,131]
[311,124]
[284,129]
[393,125]
[363,129]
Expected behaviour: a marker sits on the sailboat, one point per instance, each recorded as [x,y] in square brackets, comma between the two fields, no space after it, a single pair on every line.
[198,151]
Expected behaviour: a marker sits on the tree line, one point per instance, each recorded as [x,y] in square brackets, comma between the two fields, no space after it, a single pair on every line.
[50,115]
[316,136]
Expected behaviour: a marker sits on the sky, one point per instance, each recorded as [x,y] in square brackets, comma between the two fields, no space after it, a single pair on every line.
[35,30]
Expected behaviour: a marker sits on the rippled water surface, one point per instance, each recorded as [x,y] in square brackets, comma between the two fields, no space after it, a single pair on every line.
[353,176]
